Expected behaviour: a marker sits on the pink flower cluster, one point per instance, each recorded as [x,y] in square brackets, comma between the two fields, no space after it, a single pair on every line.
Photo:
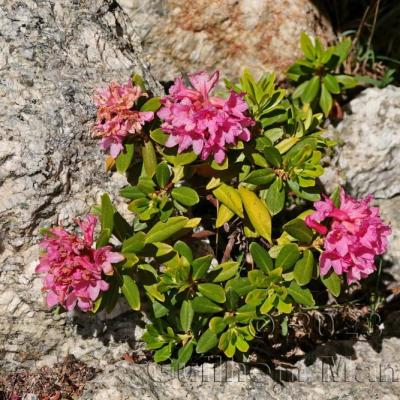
[116,116]
[356,234]
[73,267]
[208,124]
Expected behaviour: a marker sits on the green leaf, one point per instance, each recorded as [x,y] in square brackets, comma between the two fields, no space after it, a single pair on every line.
[212,291]
[121,228]
[230,197]
[257,212]
[286,144]
[331,84]
[152,104]
[288,256]
[163,175]
[107,300]
[184,250]
[124,158]
[246,313]
[131,292]
[275,197]
[159,309]
[159,136]
[130,260]
[262,176]
[138,81]
[149,159]
[256,297]
[224,215]
[240,285]
[184,354]
[301,295]
[200,266]
[226,271]
[132,192]
[310,194]
[335,197]
[227,343]
[332,282]
[325,101]
[146,185]
[153,292]
[202,305]
[268,304]
[311,90]
[273,156]
[304,267]
[162,354]
[107,213]
[135,243]
[283,307]
[242,345]
[103,238]
[298,92]
[306,46]
[186,315]
[342,49]
[181,159]
[163,230]
[217,325]
[207,341]
[299,230]
[347,81]
[261,257]
[185,195]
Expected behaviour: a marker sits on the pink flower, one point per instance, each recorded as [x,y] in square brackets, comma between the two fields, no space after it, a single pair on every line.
[207,124]
[104,257]
[355,234]
[116,116]
[73,268]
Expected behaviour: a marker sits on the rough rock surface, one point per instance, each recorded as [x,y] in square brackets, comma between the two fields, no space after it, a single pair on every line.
[53,55]
[342,370]
[367,158]
[225,34]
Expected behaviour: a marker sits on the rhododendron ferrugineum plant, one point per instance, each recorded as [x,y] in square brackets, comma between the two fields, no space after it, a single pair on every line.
[73,268]
[195,119]
[239,171]
[355,235]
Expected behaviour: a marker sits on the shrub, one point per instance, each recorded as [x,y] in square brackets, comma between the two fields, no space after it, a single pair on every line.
[236,175]
[318,75]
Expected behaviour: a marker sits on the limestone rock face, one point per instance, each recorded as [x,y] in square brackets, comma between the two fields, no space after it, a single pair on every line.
[52,57]
[180,36]
[367,159]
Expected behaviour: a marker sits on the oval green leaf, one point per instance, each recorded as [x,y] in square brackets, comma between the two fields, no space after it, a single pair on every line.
[212,291]
[185,195]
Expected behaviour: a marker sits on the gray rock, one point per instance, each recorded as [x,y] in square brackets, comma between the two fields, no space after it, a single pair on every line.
[53,55]
[223,34]
[367,158]
[341,370]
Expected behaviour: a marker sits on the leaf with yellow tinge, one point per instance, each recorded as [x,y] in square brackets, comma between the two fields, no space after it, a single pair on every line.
[230,197]
[257,212]
[192,223]
[110,162]
[224,215]
[286,144]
